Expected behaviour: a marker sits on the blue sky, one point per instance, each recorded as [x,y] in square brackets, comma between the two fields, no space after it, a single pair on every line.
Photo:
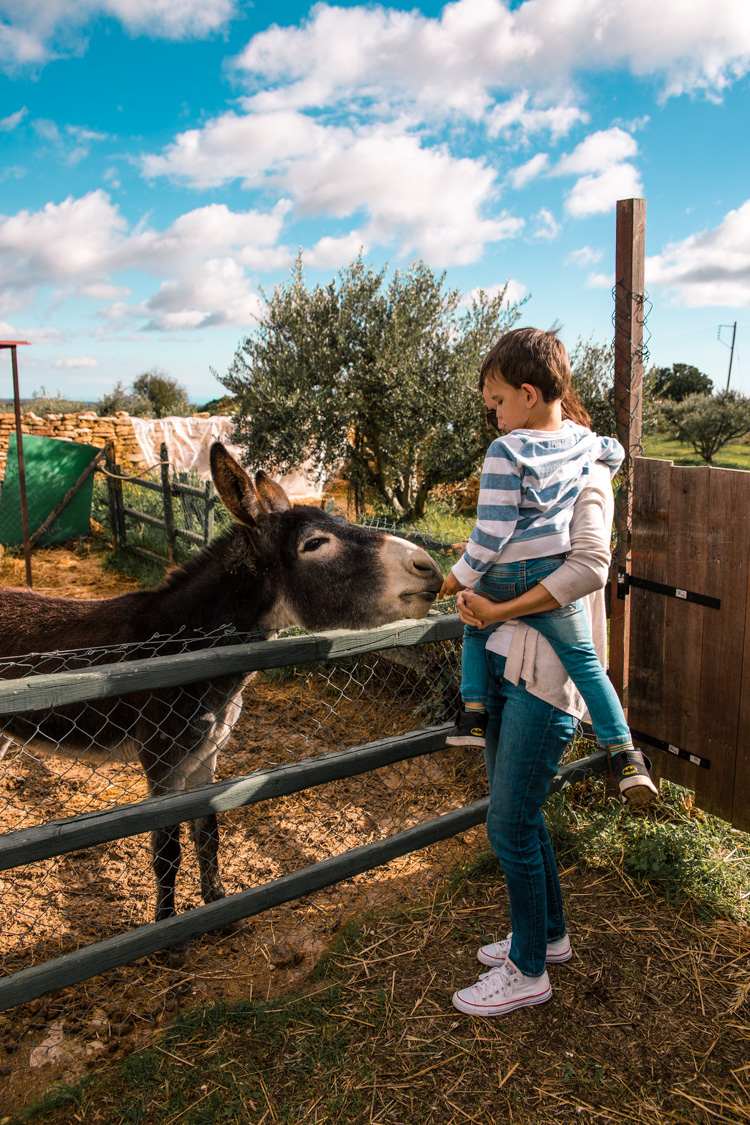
[164,160]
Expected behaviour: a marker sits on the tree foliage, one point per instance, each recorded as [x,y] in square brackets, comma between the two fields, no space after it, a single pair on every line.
[679,381]
[592,368]
[153,395]
[378,376]
[166,396]
[708,422]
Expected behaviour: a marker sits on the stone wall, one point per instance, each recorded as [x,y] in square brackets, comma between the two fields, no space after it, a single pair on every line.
[84,427]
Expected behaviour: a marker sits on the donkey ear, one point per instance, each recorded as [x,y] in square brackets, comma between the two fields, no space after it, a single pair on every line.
[235,488]
[270,493]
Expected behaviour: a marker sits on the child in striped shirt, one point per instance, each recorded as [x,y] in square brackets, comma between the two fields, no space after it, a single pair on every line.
[531,478]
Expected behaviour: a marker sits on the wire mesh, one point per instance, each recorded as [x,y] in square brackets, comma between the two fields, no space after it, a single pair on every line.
[631,355]
[58,905]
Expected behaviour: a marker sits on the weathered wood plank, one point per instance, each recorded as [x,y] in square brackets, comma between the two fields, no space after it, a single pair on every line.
[27,845]
[741,803]
[74,967]
[630,256]
[84,963]
[684,622]
[35,693]
[728,553]
[650,544]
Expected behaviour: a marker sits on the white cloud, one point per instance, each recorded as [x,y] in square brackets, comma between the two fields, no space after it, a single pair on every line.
[593,195]
[219,294]
[547,226]
[80,245]
[458,60]
[331,253]
[557,120]
[606,175]
[423,200]
[708,268]
[515,291]
[586,256]
[600,281]
[529,171]
[33,33]
[77,361]
[30,335]
[13,120]
[598,153]
[71,142]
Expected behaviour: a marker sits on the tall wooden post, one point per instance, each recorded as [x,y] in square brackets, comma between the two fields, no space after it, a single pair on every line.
[630,300]
[166,487]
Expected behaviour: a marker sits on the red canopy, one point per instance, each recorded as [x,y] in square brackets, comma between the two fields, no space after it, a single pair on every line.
[12,343]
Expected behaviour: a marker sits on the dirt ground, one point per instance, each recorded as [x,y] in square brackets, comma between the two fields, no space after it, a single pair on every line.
[68,571]
[647,1024]
[58,905]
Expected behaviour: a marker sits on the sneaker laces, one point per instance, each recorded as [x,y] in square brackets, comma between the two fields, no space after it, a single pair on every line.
[498,979]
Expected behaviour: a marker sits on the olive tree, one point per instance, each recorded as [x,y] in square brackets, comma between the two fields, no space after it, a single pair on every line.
[707,422]
[679,381]
[592,368]
[378,376]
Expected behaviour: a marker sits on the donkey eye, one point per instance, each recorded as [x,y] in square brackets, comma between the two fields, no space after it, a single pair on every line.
[313,544]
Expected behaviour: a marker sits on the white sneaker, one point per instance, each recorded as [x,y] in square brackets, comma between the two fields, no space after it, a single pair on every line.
[502,989]
[497,953]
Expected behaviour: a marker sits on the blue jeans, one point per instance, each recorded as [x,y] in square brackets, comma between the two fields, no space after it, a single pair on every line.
[525,741]
[567,630]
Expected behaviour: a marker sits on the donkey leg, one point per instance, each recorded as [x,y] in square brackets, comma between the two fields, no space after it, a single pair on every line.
[205,829]
[160,761]
[166,852]
[205,833]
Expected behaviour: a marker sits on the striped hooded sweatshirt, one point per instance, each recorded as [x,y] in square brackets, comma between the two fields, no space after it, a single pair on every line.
[530,481]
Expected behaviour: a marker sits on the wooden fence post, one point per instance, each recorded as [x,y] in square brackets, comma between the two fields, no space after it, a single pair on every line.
[116,503]
[208,533]
[628,397]
[166,486]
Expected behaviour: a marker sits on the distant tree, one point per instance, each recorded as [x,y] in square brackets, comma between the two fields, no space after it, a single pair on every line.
[43,402]
[227,404]
[679,381]
[592,368]
[381,378]
[708,422]
[119,398]
[166,396]
[153,395]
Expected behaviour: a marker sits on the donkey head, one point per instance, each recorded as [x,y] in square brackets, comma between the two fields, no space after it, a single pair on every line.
[317,570]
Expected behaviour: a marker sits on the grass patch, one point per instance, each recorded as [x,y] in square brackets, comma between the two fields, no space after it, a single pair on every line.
[734,455]
[650,1014]
[689,856]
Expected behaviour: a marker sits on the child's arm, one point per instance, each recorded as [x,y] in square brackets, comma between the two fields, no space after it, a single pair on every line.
[497,513]
[610,454]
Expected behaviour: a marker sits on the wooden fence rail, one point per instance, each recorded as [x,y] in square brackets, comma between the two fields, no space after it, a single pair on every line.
[168,489]
[37,693]
[72,834]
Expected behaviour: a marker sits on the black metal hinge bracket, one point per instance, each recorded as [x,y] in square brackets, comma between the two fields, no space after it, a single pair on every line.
[669,748]
[625,581]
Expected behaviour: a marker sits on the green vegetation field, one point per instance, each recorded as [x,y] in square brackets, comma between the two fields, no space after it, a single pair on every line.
[734,455]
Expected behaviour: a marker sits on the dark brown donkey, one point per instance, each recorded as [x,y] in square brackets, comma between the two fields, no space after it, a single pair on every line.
[277,566]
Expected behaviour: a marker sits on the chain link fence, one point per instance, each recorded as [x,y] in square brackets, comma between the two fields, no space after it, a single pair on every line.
[60,904]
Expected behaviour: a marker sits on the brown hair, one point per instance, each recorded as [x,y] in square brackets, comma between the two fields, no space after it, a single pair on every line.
[574,410]
[529,355]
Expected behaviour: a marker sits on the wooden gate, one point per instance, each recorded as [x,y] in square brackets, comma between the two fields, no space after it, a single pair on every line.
[689,663]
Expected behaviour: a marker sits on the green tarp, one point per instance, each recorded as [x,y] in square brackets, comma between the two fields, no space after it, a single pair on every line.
[52,467]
